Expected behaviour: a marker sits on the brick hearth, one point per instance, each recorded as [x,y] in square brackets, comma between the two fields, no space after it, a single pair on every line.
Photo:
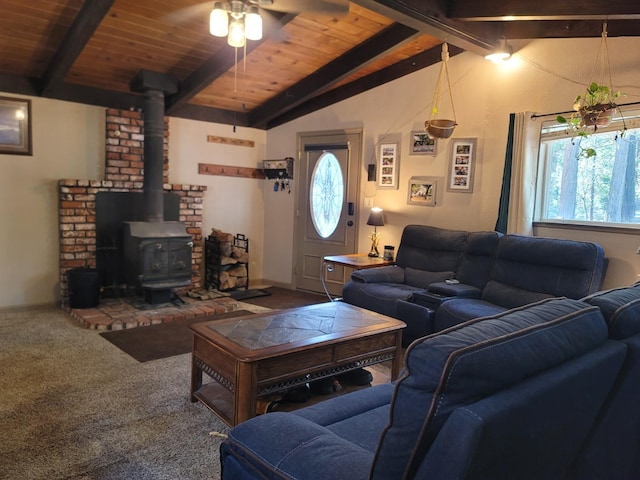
[123,173]
[118,313]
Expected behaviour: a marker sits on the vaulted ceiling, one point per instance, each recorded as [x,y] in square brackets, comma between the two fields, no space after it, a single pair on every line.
[89,51]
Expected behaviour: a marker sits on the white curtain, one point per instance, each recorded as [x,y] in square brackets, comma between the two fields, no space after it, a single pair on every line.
[524,171]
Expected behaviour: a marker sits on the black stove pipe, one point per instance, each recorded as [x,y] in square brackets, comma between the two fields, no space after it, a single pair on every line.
[154,86]
[153,155]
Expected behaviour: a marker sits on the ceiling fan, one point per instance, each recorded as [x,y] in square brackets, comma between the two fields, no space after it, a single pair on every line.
[337,7]
[241,20]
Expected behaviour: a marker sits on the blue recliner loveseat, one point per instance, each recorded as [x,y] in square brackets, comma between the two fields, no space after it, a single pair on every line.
[515,395]
[445,277]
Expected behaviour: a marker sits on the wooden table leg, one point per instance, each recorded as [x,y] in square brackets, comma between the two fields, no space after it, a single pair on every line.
[246,392]
[396,363]
[196,377]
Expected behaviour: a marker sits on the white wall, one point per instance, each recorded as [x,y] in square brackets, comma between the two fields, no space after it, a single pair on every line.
[68,143]
[544,76]
[232,204]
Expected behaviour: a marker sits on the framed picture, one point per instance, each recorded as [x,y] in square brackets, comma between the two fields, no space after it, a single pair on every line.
[422,191]
[423,144]
[15,126]
[462,165]
[388,164]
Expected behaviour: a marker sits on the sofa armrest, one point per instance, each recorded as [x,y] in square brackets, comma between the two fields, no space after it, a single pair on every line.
[282,445]
[429,300]
[460,290]
[386,274]
[419,320]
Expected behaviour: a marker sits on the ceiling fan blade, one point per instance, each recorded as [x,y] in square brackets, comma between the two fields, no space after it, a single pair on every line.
[300,6]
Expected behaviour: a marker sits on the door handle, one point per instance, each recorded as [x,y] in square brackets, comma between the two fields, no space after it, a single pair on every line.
[350,209]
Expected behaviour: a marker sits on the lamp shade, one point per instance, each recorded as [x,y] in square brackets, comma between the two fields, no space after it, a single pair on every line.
[236,34]
[253,24]
[218,21]
[375,217]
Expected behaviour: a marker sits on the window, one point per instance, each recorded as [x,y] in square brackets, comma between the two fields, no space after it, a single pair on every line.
[602,189]
[327,193]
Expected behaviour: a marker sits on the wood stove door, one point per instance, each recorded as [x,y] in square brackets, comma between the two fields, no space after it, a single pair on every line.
[180,258]
[155,260]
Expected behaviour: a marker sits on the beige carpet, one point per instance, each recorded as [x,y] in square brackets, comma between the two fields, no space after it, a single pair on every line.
[74,406]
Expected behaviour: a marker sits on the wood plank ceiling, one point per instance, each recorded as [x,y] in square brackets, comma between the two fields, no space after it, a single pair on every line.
[88,51]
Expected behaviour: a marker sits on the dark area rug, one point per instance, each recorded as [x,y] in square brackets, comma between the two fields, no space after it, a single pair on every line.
[280,298]
[249,293]
[162,340]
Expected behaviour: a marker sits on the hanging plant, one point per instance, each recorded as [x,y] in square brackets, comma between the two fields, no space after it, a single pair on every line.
[596,106]
[439,127]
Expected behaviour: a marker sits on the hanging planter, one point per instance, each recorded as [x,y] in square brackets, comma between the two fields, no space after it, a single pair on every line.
[439,127]
[597,105]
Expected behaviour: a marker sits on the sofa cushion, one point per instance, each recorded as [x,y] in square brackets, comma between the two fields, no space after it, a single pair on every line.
[423,278]
[279,445]
[430,248]
[543,266]
[388,274]
[358,417]
[621,309]
[458,310]
[477,258]
[471,361]
[379,297]
[509,296]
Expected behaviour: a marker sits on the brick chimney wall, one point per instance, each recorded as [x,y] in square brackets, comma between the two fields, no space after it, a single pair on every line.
[124,170]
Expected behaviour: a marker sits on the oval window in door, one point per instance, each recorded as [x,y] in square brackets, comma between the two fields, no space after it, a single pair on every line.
[326,194]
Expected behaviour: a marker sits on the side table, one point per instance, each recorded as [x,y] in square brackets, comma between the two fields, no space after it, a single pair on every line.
[356,261]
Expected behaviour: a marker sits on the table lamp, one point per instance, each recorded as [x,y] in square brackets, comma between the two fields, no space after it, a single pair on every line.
[375,219]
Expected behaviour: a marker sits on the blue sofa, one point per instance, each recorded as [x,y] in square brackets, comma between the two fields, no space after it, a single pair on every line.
[513,395]
[612,450]
[493,273]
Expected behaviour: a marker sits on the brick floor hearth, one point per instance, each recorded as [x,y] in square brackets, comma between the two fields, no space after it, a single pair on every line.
[121,313]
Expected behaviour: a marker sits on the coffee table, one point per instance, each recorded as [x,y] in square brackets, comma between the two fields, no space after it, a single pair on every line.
[255,355]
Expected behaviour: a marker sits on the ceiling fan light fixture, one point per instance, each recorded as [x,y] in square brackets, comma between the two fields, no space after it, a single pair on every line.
[236,34]
[502,53]
[253,24]
[219,20]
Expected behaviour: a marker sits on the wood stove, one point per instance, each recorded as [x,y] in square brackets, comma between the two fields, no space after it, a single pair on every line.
[157,253]
[157,258]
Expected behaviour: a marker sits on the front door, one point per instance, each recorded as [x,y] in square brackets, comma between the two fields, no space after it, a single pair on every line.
[327,214]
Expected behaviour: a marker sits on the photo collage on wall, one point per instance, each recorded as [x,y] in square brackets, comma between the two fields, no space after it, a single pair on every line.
[462,165]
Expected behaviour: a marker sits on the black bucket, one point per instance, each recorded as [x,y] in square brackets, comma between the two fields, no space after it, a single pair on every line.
[84,288]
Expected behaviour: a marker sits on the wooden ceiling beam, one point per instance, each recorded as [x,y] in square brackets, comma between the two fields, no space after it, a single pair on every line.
[98,96]
[18,84]
[332,73]
[81,31]
[568,29]
[388,74]
[430,17]
[219,63]
[215,115]
[473,10]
